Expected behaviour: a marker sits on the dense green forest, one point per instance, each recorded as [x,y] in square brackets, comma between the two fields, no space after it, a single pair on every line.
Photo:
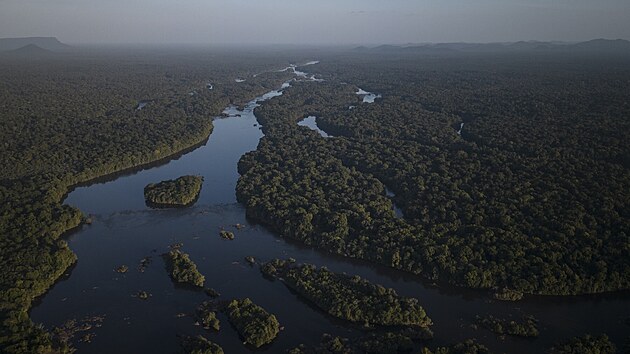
[532,196]
[182,191]
[349,297]
[256,326]
[69,119]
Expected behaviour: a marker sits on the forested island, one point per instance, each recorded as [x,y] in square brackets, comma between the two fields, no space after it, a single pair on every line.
[199,345]
[182,191]
[208,317]
[182,269]
[256,326]
[349,297]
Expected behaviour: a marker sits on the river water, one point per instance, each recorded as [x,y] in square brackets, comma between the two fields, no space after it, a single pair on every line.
[125,230]
[311,123]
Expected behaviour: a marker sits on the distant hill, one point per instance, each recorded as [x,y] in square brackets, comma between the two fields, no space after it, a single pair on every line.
[30,50]
[618,46]
[46,43]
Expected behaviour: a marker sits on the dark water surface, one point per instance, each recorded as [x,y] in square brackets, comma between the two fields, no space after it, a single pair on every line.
[125,230]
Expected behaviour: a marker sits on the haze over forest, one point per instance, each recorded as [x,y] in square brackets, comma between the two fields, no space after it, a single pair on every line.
[314,22]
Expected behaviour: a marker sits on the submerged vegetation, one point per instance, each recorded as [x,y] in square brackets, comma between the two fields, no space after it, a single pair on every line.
[349,297]
[256,326]
[212,293]
[71,329]
[528,327]
[328,345]
[383,343]
[585,344]
[182,191]
[182,269]
[386,343]
[469,346]
[376,343]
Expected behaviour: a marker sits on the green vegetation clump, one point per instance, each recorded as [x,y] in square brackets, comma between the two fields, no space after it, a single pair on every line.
[182,191]
[199,345]
[207,316]
[64,335]
[255,325]
[349,297]
[142,295]
[506,294]
[526,328]
[182,269]
[585,344]
[226,235]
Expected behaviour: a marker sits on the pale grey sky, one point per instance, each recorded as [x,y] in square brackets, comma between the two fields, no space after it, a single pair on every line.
[315,21]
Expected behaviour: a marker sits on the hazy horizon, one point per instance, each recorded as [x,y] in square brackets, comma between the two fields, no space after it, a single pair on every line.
[330,22]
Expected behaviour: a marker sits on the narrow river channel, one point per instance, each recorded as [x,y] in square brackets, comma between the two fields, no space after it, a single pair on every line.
[125,230]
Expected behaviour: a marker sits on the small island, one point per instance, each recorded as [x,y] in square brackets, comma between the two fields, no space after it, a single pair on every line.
[179,192]
[227,235]
[182,269]
[199,345]
[257,326]
[207,317]
[348,297]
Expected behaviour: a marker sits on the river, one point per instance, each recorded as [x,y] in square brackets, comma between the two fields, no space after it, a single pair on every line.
[125,230]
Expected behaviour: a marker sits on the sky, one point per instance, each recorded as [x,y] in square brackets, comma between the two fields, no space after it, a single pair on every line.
[315,21]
